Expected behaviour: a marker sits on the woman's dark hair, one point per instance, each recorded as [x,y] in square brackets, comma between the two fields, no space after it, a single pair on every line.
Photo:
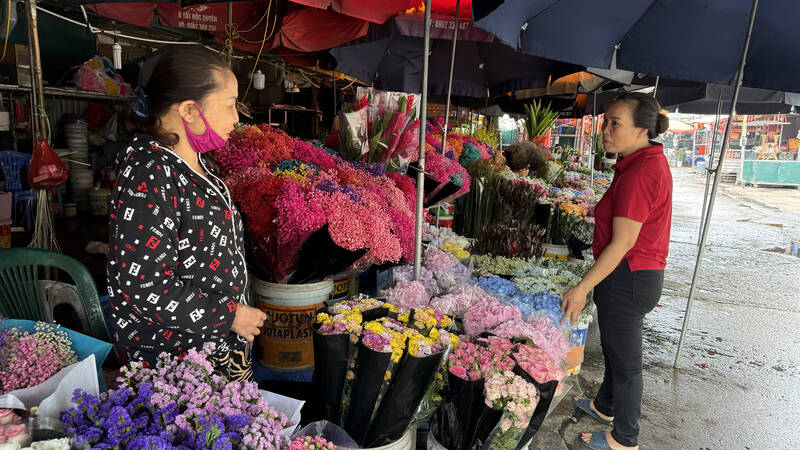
[182,73]
[646,113]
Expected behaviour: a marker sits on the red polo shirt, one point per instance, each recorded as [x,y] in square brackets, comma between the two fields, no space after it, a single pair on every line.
[641,191]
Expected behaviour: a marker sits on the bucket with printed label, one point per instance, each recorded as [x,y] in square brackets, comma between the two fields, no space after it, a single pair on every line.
[345,285]
[286,339]
[577,342]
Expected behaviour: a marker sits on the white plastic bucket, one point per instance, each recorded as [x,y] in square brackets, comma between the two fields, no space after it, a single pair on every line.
[552,251]
[407,442]
[286,340]
[98,201]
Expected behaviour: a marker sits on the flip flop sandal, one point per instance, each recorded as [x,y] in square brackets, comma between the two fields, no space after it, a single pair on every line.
[598,441]
[585,405]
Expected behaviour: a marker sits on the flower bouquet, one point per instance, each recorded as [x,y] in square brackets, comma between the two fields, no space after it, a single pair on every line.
[373,374]
[381,128]
[28,359]
[512,241]
[514,400]
[179,403]
[309,213]
[13,430]
[41,364]
[566,217]
[310,443]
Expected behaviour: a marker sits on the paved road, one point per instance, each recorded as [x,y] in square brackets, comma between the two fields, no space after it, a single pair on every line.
[743,329]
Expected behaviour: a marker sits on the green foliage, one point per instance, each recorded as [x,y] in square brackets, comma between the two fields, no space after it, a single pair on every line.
[540,119]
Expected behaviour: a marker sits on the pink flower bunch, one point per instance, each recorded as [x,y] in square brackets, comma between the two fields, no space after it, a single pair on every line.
[515,396]
[465,361]
[406,273]
[487,316]
[29,359]
[289,189]
[408,294]
[541,331]
[463,297]
[310,443]
[446,268]
[538,364]
[475,361]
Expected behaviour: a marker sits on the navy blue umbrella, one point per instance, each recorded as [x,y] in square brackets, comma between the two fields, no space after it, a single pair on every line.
[695,40]
[481,68]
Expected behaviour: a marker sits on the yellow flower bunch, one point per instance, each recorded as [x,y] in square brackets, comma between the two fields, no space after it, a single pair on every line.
[396,340]
[419,344]
[456,250]
[299,172]
[424,319]
[324,318]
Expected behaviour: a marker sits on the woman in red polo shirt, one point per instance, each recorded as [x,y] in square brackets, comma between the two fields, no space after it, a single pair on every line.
[631,241]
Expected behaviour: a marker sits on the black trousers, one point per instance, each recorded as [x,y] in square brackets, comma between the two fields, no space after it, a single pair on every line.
[622,300]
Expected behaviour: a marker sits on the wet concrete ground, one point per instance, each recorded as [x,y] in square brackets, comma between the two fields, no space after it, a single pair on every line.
[739,382]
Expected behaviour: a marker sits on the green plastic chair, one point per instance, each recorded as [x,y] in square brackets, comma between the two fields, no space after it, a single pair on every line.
[20,296]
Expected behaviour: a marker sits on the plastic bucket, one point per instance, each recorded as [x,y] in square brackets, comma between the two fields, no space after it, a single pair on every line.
[577,341]
[407,442]
[98,201]
[552,251]
[286,340]
[344,286]
[5,233]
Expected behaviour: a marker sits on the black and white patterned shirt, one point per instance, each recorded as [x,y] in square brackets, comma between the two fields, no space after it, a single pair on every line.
[176,268]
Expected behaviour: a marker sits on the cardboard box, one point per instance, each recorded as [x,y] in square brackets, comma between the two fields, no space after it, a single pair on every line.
[5,206]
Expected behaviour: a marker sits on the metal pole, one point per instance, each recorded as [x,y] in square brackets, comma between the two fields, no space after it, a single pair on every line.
[710,164]
[230,34]
[334,91]
[725,136]
[423,118]
[449,90]
[655,89]
[593,144]
[743,145]
[36,68]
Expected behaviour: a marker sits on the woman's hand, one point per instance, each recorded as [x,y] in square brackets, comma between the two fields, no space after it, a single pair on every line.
[572,304]
[248,322]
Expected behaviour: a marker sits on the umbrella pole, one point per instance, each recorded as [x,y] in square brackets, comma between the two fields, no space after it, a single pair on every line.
[449,90]
[725,137]
[593,144]
[655,89]
[709,165]
[423,118]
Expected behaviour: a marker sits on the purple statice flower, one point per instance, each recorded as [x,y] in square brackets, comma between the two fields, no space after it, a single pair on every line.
[353,192]
[149,442]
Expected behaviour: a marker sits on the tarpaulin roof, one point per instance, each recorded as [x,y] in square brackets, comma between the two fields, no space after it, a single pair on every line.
[298,29]
[380,11]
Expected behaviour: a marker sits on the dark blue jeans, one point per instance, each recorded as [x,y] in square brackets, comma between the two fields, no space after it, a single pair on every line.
[622,300]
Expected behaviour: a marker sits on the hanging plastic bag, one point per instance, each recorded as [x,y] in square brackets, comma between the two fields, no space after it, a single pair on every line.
[46,170]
